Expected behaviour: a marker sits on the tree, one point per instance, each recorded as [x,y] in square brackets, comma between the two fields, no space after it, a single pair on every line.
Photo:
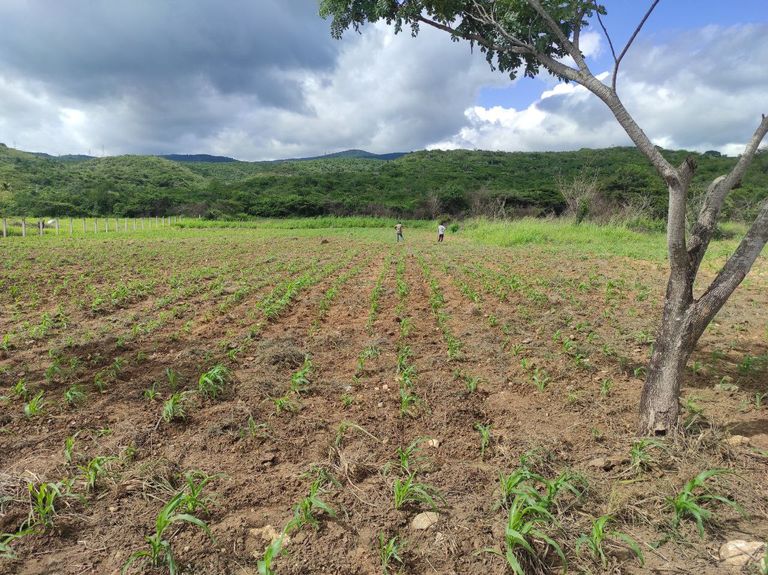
[524,36]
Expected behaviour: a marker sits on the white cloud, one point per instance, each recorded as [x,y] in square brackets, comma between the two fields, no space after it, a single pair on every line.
[704,90]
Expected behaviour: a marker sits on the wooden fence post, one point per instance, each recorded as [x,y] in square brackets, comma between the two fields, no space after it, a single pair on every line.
[40,226]
[95,225]
[5,228]
[70,226]
[84,230]
[23,228]
[57,226]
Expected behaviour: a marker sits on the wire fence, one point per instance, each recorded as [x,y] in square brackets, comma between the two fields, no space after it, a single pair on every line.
[36,227]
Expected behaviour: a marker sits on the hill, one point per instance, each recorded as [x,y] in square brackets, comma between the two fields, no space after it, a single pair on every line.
[418,184]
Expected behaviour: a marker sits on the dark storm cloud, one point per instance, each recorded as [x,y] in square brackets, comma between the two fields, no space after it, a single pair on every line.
[96,49]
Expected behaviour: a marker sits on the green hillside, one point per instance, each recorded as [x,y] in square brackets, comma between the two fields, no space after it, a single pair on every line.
[456,182]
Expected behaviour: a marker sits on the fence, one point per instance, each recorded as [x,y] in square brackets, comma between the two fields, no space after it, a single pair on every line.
[78,226]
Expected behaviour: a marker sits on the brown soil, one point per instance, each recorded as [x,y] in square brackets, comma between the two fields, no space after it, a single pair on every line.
[521,316]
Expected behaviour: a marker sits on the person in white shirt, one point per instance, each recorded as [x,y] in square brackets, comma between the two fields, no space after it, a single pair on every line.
[440,232]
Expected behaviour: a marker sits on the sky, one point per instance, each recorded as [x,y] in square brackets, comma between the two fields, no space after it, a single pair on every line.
[263,79]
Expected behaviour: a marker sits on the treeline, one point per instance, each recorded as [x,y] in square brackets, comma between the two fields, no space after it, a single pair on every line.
[424,184]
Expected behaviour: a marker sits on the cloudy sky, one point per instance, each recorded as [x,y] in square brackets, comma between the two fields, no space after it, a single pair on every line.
[262,79]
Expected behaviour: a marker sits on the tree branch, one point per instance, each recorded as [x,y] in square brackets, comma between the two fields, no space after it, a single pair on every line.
[629,43]
[574,52]
[454,32]
[733,273]
[718,190]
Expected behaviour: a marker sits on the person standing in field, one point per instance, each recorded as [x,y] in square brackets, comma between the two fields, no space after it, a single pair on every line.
[399,232]
[440,232]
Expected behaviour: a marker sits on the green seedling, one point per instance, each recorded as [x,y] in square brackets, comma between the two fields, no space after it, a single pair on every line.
[408,401]
[212,383]
[304,511]
[19,389]
[485,436]
[540,378]
[299,380]
[639,456]
[74,395]
[605,387]
[160,552]
[523,529]
[69,447]
[43,504]
[94,469]
[599,536]
[689,502]
[408,456]
[193,496]
[408,490]
[389,553]
[284,404]
[35,405]
[151,392]
[272,552]
[173,378]
[174,408]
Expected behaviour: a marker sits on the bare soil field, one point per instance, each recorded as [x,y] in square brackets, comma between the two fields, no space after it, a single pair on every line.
[357,384]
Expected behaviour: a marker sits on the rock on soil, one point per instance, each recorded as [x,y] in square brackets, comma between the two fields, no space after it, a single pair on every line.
[739,552]
[424,520]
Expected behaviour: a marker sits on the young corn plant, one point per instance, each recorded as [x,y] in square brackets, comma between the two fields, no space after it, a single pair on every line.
[43,504]
[524,528]
[600,536]
[94,469]
[485,437]
[213,382]
[639,457]
[174,408]
[409,490]
[35,405]
[284,404]
[160,552]
[690,500]
[408,456]
[74,395]
[272,552]
[69,448]
[193,498]
[304,511]
[299,379]
[389,553]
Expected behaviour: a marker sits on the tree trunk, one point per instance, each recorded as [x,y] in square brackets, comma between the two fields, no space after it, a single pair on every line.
[675,340]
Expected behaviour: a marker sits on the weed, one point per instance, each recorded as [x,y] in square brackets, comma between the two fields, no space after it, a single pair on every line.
[471,383]
[389,552]
[160,552]
[694,413]
[688,502]
[347,400]
[212,383]
[599,535]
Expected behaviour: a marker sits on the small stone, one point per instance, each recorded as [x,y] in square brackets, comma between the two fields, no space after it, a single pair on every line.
[385,387]
[112,509]
[433,443]
[598,462]
[740,552]
[424,520]
[737,440]
[380,404]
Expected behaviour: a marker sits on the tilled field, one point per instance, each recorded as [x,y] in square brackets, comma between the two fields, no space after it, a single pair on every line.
[352,385]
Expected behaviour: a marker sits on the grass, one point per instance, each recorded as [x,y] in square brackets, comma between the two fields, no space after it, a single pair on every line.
[600,537]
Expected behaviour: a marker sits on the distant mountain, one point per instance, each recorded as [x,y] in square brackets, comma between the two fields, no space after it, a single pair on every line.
[64,158]
[197,158]
[357,154]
